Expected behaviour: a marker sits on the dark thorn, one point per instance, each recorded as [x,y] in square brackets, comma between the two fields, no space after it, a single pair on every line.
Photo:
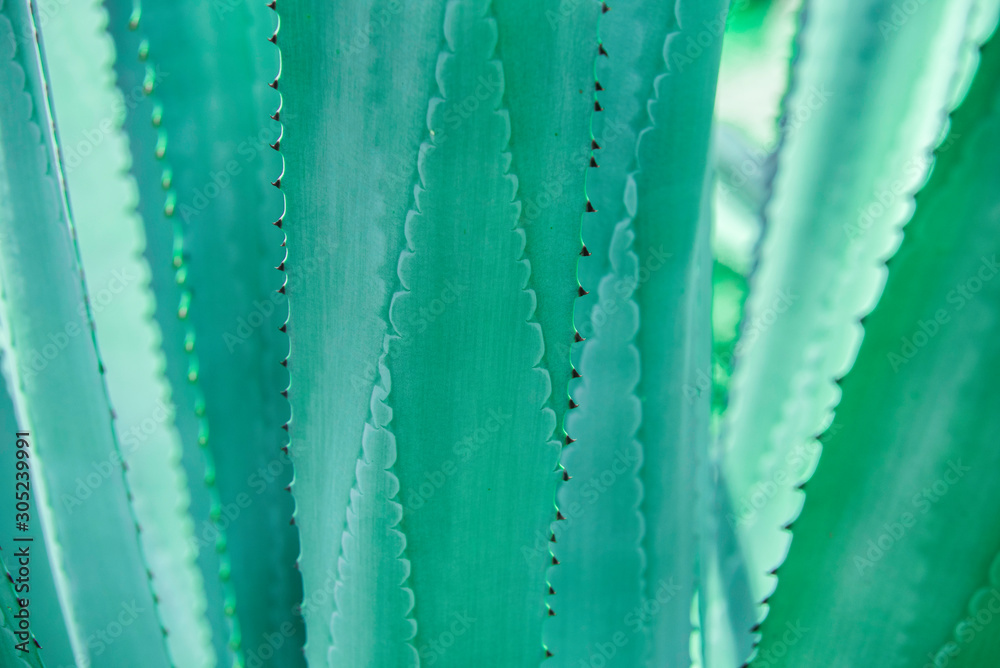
[552,613]
[552,592]
[276,145]
[576,374]
[275,115]
[548,654]
[593,163]
[566,476]
[559,515]
[597,86]
[590,207]
[573,404]
[277,183]
[552,538]
[274,84]
[578,338]
[600,51]
[284,393]
[284,363]
[594,146]
[283,328]
[598,107]
[582,292]
[273,39]
[604,8]
[585,252]
[555,562]
[281,267]
[570,440]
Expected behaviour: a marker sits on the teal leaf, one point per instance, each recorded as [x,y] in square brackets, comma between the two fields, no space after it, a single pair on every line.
[548,53]
[355,83]
[215,63]
[476,421]
[900,525]
[372,624]
[90,110]
[629,552]
[16,650]
[870,93]
[56,378]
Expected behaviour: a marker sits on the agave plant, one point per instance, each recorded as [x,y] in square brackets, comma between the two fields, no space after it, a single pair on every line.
[542,325]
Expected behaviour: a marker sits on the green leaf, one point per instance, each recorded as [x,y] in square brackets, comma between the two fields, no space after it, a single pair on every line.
[16,651]
[551,103]
[139,74]
[355,83]
[872,84]
[372,624]
[477,421]
[47,624]
[90,110]
[55,373]
[900,524]
[975,641]
[214,265]
[628,554]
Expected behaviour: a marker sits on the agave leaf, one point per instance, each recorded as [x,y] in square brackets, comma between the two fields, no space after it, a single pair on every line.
[56,377]
[220,277]
[47,623]
[372,624]
[355,83]
[15,650]
[871,87]
[90,111]
[975,641]
[636,33]
[477,423]
[551,100]
[900,522]
[139,75]
[629,551]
